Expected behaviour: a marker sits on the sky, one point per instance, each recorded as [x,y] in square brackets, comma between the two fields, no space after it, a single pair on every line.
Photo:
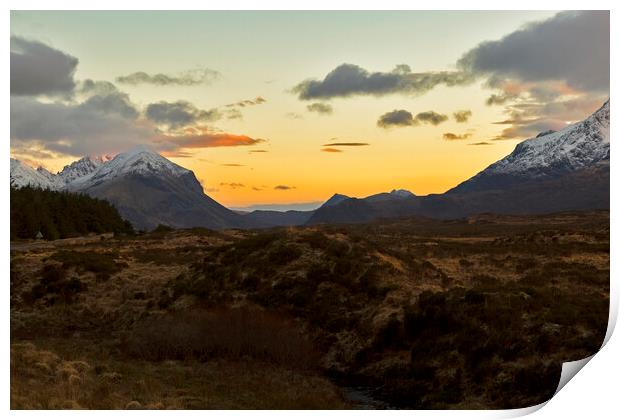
[292,107]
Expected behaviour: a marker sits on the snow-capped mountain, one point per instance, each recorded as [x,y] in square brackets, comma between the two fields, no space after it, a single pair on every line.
[23,175]
[140,160]
[82,167]
[549,154]
[146,188]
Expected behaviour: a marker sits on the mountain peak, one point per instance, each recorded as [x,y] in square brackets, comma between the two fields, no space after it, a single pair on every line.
[402,193]
[548,155]
[141,160]
[335,199]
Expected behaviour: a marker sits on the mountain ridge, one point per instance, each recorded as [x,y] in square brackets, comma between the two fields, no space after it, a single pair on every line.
[559,170]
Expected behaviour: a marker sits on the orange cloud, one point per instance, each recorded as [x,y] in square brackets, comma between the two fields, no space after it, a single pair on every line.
[201,137]
[331,150]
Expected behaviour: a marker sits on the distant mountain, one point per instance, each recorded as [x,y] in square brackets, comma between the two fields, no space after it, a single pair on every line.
[555,171]
[335,199]
[272,218]
[394,194]
[304,206]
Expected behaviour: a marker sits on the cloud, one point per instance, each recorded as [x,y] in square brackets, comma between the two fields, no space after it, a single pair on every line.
[350,79]
[527,118]
[187,78]
[452,136]
[232,185]
[571,46]
[113,103]
[500,99]
[179,114]
[480,143]
[402,118]
[259,151]
[202,137]
[294,116]
[248,102]
[462,116]
[233,114]
[176,154]
[38,69]
[320,108]
[430,117]
[331,150]
[396,118]
[347,144]
[99,125]
[283,187]
[235,165]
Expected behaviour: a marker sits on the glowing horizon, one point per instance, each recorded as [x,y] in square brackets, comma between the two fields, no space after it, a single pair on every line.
[244,99]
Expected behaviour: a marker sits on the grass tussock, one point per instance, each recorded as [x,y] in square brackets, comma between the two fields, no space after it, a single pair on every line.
[102,264]
[42,379]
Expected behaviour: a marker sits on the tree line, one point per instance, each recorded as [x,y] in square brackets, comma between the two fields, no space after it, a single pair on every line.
[60,214]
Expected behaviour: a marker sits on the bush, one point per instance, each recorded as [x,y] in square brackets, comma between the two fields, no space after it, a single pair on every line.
[283,254]
[227,333]
[103,265]
[54,286]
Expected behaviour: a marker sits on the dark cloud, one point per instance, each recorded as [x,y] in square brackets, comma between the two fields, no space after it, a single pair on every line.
[462,116]
[234,165]
[320,108]
[346,144]
[99,125]
[430,117]
[331,150]
[188,78]
[527,118]
[396,118]
[38,69]
[233,185]
[179,114]
[259,151]
[283,187]
[571,46]
[112,103]
[248,102]
[480,143]
[402,118]
[500,99]
[350,79]
[452,136]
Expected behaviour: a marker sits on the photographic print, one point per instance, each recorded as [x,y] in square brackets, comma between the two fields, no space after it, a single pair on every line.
[306,209]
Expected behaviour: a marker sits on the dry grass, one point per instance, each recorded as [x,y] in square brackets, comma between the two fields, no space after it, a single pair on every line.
[41,379]
[353,292]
